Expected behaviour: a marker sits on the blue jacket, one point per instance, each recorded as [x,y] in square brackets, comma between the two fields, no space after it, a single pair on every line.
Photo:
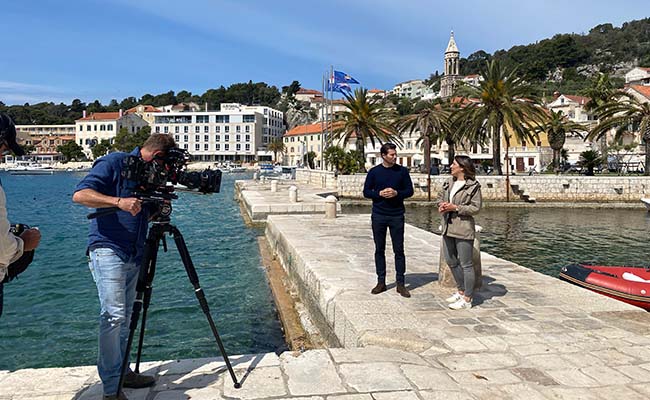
[120,231]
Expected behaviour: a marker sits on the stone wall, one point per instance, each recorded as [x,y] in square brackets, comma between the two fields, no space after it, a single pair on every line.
[318,178]
[541,188]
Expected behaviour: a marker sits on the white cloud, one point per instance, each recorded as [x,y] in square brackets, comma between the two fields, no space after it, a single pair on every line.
[20,92]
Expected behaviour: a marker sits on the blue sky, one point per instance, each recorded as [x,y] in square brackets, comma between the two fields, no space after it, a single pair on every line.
[59,50]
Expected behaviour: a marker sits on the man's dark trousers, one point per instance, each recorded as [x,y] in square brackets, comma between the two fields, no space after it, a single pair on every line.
[396,226]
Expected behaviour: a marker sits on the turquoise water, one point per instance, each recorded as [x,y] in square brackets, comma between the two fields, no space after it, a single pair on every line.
[545,239]
[50,315]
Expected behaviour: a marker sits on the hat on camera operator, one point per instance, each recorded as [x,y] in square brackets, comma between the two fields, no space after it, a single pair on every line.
[115,246]
[11,246]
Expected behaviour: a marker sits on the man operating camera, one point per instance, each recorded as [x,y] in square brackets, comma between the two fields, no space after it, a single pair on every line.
[11,246]
[115,246]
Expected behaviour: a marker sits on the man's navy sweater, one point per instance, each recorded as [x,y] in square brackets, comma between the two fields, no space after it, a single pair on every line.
[380,178]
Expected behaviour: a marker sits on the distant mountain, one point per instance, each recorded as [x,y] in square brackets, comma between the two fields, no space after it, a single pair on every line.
[567,61]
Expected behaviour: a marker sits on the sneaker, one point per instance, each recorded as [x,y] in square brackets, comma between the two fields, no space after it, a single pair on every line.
[454,298]
[402,290]
[120,396]
[138,381]
[461,305]
[381,287]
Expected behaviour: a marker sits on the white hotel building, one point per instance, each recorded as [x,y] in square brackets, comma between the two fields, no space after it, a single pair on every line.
[235,133]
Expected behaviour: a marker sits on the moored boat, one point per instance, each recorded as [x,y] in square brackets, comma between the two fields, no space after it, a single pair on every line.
[646,201]
[628,284]
[30,168]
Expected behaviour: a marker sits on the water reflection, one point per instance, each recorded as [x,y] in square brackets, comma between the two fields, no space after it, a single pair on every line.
[544,239]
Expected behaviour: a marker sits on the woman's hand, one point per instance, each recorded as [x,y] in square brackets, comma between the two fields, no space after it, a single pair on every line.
[446,207]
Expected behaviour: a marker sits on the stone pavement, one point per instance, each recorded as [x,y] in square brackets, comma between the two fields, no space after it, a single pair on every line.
[529,336]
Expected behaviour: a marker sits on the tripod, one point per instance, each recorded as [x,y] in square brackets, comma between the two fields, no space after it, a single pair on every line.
[161,225]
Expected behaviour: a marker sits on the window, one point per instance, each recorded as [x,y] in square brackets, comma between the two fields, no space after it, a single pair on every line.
[102,127]
[197,138]
[206,138]
[238,129]
[206,147]
[166,129]
[293,139]
[88,128]
[81,142]
[247,128]
[177,129]
[186,129]
[226,147]
[177,138]
[226,138]
[238,147]
[226,129]
[217,129]
[185,138]
[217,147]
[248,118]
[202,119]
[248,147]
[217,138]
[206,129]
[531,161]
[237,138]
[223,119]
[157,129]
[248,138]
[197,129]
[197,147]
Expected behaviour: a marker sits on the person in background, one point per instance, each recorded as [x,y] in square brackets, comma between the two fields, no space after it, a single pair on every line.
[388,184]
[459,201]
[12,247]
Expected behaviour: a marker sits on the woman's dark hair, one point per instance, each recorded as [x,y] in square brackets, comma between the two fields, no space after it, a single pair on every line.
[467,165]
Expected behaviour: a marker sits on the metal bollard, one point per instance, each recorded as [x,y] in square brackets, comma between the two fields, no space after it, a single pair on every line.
[330,207]
[274,186]
[293,194]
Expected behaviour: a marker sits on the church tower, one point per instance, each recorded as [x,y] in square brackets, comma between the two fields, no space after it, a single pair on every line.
[452,69]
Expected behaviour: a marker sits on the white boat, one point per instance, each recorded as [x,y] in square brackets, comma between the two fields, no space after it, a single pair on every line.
[646,201]
[21,167]
[235,168]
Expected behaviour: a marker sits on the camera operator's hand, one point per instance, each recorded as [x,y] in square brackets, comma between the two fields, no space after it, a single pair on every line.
[130,204]
[31,238]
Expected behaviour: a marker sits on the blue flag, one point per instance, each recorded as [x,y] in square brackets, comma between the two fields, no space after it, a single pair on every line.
[339,87]
[342,77]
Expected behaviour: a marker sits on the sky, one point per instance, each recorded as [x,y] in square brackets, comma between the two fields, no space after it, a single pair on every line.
[60,50]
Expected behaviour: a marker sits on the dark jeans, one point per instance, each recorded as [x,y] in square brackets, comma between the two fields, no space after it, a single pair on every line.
[380,223]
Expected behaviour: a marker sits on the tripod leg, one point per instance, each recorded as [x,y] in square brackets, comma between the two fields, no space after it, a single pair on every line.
[194,279]
[150,250]
[150,273]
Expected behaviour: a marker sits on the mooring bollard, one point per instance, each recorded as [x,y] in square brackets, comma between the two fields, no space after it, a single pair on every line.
[445,277]
[330,207]
[274,186]
[293,194]
[255,176]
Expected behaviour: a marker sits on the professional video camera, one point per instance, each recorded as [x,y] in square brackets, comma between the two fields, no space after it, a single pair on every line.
[161,174]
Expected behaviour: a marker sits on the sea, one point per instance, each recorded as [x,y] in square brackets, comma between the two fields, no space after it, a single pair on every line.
[51,311]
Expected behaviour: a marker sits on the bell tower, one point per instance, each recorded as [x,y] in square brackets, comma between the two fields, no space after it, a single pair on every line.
[452,68]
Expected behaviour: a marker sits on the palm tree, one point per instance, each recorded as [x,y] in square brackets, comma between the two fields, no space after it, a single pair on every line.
[502,104]
[624,113]
[432,124]
[276,146]
[365,119]
[556,126]
[590,159]
[599,92]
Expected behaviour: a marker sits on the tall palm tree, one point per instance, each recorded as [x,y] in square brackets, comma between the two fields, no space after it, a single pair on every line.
[432,124]
[556,126]
[624,113]
[599,92]
[366,120]
[276,146]
[502,104]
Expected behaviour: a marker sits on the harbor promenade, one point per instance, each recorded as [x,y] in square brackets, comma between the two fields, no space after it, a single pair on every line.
[529,336]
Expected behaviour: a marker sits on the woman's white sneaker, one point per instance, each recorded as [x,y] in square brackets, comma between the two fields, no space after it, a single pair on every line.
[461,305]
[454,298]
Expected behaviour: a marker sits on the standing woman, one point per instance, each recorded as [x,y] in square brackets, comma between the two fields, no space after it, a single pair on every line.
[460,200]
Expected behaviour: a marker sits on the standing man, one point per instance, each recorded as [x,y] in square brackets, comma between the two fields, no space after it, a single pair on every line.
[388,184]
[11,246]
[115,246]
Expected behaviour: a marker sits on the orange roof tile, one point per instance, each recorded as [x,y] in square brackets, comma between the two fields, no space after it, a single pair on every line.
[641,89]
[376,91]
[147,108]
[101,116]
[578,99]
[309,91]
[305,129]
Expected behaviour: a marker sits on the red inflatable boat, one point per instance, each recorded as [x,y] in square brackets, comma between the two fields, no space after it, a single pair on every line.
[628,284]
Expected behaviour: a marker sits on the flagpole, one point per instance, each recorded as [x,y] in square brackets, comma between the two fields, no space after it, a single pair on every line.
[322,132]
[331,90]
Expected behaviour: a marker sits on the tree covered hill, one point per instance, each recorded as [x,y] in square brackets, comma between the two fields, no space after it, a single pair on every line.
[566,62]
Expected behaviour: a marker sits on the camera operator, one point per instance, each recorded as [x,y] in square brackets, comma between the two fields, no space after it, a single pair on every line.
[11,246]
[115,246]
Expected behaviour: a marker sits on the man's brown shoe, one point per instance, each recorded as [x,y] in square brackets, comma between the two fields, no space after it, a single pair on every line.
[401,289]
[381,287]
[138,381]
